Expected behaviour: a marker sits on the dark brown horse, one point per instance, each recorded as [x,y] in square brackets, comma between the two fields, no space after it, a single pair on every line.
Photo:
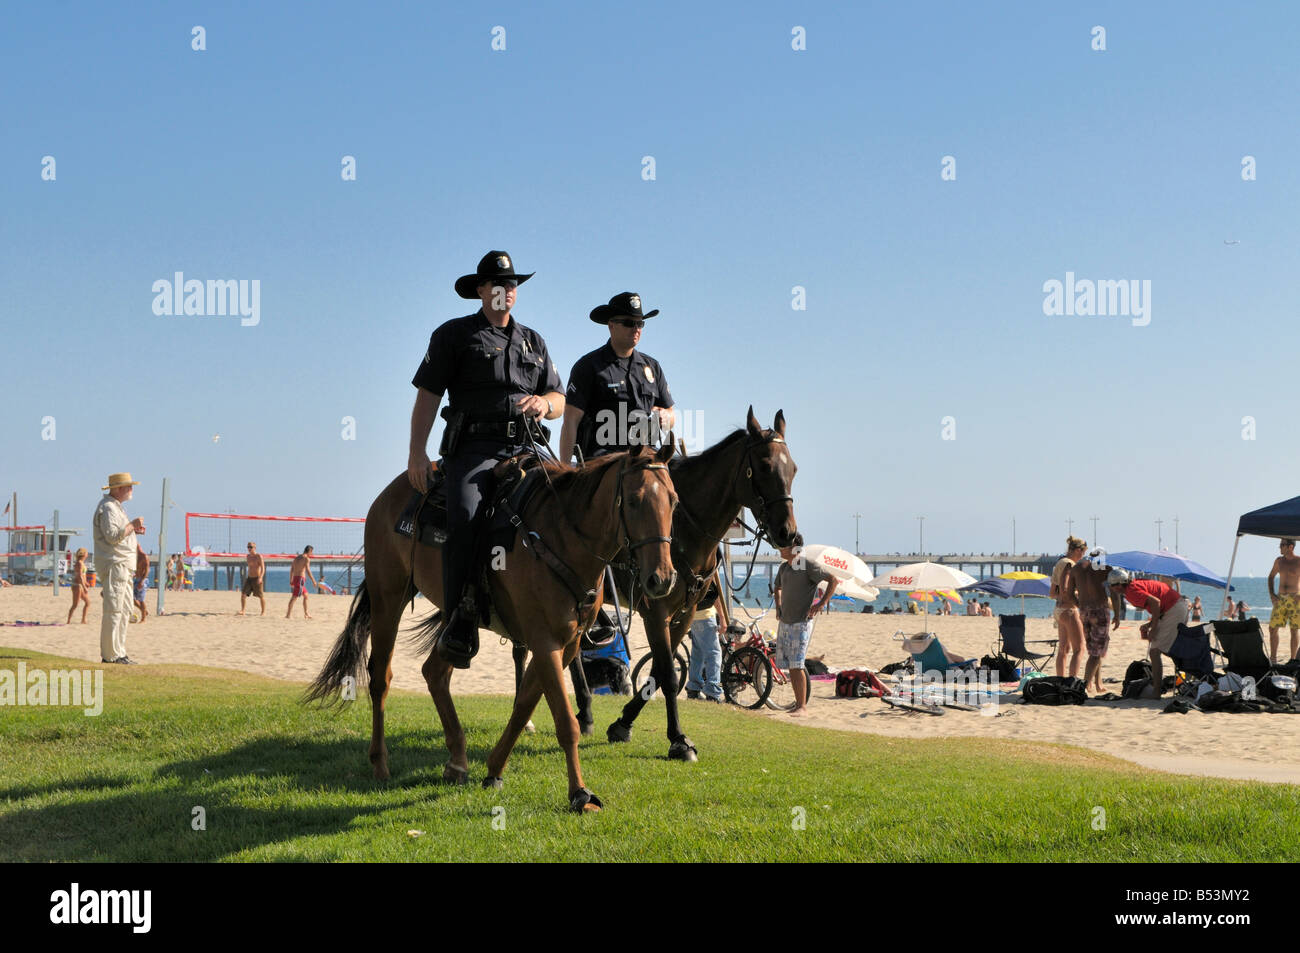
[749,468]
[587,515]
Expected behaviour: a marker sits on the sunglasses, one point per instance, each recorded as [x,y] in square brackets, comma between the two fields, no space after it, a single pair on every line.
[505,283]
[628,322]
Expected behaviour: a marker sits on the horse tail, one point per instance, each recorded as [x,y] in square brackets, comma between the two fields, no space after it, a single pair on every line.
[424,634]
[347,659]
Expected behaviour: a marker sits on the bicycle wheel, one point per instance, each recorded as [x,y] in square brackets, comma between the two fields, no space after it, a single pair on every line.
[746,677]
[641,673]
[781,697]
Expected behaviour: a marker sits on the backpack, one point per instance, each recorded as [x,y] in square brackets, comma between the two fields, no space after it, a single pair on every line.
[858,683]
[1136,678]
[1278,688]
[1000,664]
[1054,690]
[815,667]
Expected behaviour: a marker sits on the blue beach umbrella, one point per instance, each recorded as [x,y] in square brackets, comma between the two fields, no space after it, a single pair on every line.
[1166,564]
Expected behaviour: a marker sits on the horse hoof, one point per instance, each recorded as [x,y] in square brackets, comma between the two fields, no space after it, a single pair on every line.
[496,784]
[454,775]
[381,773]
[683,751]
[530,727]
[587,727]
[618,732]
[584,801]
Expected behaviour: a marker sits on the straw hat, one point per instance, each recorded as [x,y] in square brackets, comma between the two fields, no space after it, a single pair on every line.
[119,479]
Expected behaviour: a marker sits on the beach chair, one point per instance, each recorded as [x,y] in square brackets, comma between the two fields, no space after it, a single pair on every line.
[1191,650]
[931,658]
[1242,645]
[1011,643]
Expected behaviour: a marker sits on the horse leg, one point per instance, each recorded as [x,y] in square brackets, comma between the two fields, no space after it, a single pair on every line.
[566,729]
[680,748]
[520,654]
[383,634]
[582,692]
[656,630]
[437,675]
[526,698]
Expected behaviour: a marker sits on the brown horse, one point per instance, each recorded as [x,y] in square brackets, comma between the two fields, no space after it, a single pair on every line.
[749,468]
[585,517]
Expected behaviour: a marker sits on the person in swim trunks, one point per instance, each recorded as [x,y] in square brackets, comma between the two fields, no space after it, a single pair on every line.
[299,574]
[1066,612]
[1089,580]
[1286,602]
[254,580]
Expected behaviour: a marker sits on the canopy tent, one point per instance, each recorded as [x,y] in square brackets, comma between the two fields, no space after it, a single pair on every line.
[1166,564]
[1280,521]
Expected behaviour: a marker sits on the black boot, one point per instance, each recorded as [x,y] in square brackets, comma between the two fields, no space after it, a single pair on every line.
[458,643]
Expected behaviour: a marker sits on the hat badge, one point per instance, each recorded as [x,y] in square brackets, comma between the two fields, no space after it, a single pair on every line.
[634,302]
[503,261]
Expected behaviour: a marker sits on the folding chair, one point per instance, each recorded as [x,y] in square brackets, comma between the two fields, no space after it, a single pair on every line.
[1191,650]
[1011,642]
[929,657]
[1242,644]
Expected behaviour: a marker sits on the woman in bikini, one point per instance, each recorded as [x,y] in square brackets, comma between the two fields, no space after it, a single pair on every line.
[79,587]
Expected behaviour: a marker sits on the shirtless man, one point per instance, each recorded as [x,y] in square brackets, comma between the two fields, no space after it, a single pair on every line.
[299,573]
[1286,602]
[1066,612]
[1088,579]
[255,580]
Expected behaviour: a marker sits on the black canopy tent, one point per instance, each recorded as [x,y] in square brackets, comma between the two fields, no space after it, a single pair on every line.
[1280,521]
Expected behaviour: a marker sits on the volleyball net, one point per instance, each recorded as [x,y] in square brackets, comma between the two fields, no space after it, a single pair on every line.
[226,535]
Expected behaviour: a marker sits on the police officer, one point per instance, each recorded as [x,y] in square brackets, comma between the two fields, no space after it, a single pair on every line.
[618,398]
[497,375]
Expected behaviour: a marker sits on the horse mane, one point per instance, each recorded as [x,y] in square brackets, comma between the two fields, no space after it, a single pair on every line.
[709,454]
[583,481]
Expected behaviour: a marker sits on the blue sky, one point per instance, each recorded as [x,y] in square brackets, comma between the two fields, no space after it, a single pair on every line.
[774,168]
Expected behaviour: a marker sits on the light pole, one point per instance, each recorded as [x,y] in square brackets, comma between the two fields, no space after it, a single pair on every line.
[1175,534]
[1013,535]
[1159,538]
[857,540]
[1069,527]
[921,544]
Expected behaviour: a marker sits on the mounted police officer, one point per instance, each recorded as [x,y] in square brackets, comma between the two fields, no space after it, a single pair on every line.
[617,397]
[498,378]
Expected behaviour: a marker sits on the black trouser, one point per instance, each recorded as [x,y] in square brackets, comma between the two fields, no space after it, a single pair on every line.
[468,475]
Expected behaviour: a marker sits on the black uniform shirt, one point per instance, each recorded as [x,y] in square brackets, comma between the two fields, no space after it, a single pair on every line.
[486,369]
[602,381]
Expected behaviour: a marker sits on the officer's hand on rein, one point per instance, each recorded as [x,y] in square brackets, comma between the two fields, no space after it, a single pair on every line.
[417,471]
[532,406]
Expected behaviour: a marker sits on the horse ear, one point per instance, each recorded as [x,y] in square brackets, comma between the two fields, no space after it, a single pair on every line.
[752,423]
[779,424]
[667,450]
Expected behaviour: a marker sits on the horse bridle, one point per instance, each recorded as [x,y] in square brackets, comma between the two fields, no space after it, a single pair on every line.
[622,514]
[760,515]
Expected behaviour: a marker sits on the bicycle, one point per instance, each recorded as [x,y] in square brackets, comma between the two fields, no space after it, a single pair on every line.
[645,664]
[751,678]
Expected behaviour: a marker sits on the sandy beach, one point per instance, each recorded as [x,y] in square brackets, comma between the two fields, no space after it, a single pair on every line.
[202,628]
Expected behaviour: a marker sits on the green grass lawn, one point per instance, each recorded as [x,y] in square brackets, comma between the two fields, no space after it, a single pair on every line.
[278,781]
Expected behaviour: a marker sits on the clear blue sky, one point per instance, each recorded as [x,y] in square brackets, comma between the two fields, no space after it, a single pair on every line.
[775,168]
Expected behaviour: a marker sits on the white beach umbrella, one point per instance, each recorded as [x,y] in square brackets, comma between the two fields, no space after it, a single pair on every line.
[840,563]
[855,590]
[916,576]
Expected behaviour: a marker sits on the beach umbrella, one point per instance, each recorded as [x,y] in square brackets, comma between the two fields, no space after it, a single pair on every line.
[1023,574]
[927,575]
[1166,564]
[918,576]
[1033,585]
[839,563]
[855,590]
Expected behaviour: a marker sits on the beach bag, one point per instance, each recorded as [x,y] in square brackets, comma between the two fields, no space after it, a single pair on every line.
[892,667]
[1054,690]
[1005,668]
[1278,688]
[1136,678]
[858,683]
[813,667]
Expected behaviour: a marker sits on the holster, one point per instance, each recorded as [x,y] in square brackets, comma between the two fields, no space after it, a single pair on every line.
[452,432]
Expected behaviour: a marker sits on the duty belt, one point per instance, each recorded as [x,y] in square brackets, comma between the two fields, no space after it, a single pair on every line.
[504,429]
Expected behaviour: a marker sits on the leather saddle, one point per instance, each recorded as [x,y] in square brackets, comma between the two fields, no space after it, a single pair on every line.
[513,482]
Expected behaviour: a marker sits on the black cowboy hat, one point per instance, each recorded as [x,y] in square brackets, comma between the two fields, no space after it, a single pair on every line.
[493,265]
[626,304]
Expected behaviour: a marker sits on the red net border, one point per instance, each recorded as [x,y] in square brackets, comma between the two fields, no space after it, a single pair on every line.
[46,532]
[322,557]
